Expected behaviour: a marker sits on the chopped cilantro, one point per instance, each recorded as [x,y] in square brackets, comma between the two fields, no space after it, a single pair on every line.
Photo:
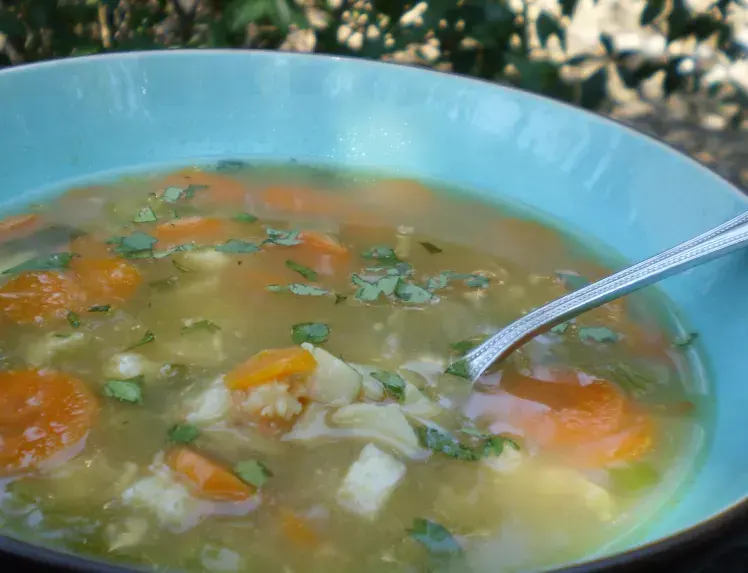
[442,442]
[339,298]
[409,292]
[100,308]
[189,193]
[312,332]
[560,328]
[431,248]
[393,383]
[471,280]
[369,291]
[383,255]
[253,472]
[477,281]
[686,340]
[494,445]
[235,246]
[129,390]
[245,218]
[276,288]
[298,289]
[145,215]
[464,346]
[438,282]
[600,334]
[147,337]
[458,368]
[53,262]
[435,538]
[183,433]
[136,244]
[205,325]
[74,319]
[282,238]
[180,267]
[171,194]
[305,272]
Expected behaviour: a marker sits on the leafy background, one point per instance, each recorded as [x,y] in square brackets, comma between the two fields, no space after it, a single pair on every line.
[675,68]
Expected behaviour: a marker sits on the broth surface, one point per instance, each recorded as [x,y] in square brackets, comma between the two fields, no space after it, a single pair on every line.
[257,368]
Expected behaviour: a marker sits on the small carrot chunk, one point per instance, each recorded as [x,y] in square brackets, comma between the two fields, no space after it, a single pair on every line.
[298,531]
[323,244]
[44,416]
[209,479]
[269,365]
[38,297]
[200,230]
[107,281]
[215,188]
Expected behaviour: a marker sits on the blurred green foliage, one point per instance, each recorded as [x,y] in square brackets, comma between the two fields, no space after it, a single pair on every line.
[498,40]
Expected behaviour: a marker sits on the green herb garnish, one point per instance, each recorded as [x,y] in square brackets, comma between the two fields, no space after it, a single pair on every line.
[383,255]
[368,291]
[560,328]
[686,340]
[145,215]
[282,238]
[136,245]
[312,332]
[435,538]
[244,218]
[53,262]
[305,272]
[444,443]
[189,193]
[171,194]
[409,292]
[129,390]
[147,338]
[464,346]
[235,246]
[183,433]
[180,267]
[431,248]
[393,383]
[470,279]
[100,308]
[459,368]
[298,289]
[206,325]
[253,472]
[600,334]
[339,298]
[74,319]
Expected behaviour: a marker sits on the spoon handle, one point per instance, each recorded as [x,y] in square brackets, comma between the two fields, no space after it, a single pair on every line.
[714,243]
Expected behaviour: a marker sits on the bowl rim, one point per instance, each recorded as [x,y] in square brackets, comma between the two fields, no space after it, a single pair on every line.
[697,533]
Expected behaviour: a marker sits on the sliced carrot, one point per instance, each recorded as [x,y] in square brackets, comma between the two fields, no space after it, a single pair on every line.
[298,531]
[323,244]
[218,188]
[209,479]
[106,281]
[18,225]
[269,365]
[200,230]
[44,416]
[593,424]
[40,296]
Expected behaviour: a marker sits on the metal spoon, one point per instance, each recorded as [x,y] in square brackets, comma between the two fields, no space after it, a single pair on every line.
[717,242]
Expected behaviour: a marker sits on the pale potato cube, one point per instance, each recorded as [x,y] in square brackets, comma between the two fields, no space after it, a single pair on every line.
[127,365]
[211,405]
[333,382]
[205,260]
[43,350]
[370,482]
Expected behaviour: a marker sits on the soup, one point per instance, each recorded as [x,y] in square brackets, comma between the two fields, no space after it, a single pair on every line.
[238,368]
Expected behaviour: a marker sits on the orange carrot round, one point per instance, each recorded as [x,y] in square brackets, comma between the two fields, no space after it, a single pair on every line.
[44,415]
[269,365]
[40,296]
[106,281]
[207,478]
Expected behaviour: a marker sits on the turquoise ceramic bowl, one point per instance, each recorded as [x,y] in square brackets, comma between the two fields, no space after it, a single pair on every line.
[64,121]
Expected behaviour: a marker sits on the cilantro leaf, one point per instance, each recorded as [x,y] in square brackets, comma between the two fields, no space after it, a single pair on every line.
[393,383]
[431,248]
[305,272]
[100,308]
[306,290]
[494,445]
[369,291]
[435,538]
[458,368]
[560,328]
[444,443]
[312,332]
[409,292]
[235,246]
[53,262]
[340,298]
[145,215]
[245,218]
[383,255]
[180,267]
[183,433]
[464,346]
[205,325]
[600,334]
[282,238]
[136,245]
[189,193]
[172,194]
[147,337]
[253,472]
[74,319]
[128,390]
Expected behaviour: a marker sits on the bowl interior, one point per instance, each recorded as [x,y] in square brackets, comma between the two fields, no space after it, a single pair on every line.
[65,121]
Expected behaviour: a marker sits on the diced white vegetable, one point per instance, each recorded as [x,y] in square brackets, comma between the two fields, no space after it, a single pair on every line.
[129,532]
[372,388]
[369,482]
[384,424]
[273,400]
[417,405]
[571,483]
[211,405]
[129,365]
[162,494]
[46,348]
[333,381]
[208,260]
[506,463]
